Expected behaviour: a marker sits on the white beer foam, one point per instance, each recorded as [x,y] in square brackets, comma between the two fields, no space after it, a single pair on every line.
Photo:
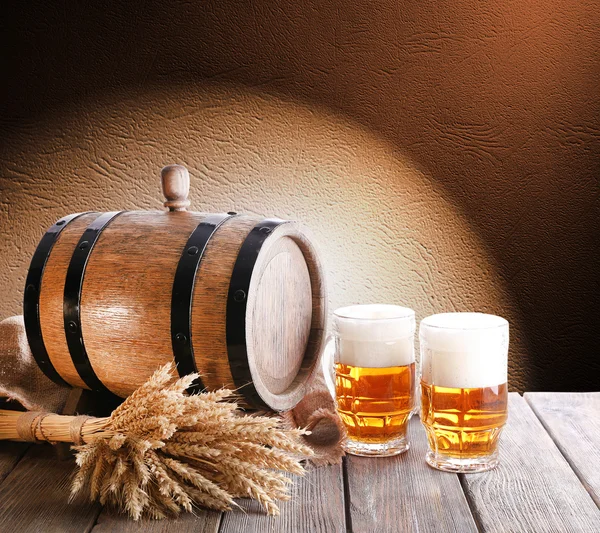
[375,336]
[464,350]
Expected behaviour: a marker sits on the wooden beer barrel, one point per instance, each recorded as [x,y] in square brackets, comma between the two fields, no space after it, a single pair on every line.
[110,297]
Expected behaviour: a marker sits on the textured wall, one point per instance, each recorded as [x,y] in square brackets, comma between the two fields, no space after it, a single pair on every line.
[445,154]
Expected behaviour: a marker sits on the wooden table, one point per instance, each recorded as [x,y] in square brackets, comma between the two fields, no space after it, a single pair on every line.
[548,480]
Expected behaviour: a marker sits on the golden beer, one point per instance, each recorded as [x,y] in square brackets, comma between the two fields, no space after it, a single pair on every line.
[371,375]
[375,403]
[464,423]
[464,396]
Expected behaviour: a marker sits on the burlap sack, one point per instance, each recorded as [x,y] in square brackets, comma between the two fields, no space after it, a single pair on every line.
[317,413]
[21,379]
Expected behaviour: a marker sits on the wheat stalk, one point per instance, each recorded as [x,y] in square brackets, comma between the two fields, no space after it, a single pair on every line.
[163,451]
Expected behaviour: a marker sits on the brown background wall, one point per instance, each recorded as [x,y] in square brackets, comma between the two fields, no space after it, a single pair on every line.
[445,154]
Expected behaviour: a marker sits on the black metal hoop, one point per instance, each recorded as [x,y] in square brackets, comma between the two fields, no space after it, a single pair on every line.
[72,300]
[183,292]
[31,299]
[237,299]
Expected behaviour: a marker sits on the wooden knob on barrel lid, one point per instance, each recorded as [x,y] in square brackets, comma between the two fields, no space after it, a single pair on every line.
[176,187]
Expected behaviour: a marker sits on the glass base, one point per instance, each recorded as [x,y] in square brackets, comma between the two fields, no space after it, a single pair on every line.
[381,449]
[469,465]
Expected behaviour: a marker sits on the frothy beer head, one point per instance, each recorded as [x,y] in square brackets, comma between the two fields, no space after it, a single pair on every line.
[375,336]
[464,350]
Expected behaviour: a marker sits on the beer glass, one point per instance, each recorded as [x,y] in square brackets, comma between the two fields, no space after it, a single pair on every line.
[464,392]
[374,388]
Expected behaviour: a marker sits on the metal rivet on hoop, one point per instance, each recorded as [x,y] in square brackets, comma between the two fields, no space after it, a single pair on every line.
[239,295]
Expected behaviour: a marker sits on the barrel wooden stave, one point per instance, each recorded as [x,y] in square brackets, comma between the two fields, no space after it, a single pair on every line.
[209,304]
[126,296]
[52,298]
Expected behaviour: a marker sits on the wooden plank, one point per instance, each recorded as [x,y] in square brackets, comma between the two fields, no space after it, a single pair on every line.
[10,455]
[34,496]
[533,488]
[317,506]
[200,522]
[402,493]
[573,421]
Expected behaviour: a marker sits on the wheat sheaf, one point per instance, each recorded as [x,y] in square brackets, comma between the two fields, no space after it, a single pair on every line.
[163,450]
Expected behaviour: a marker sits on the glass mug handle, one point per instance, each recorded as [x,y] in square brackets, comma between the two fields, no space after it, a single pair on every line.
[327,361]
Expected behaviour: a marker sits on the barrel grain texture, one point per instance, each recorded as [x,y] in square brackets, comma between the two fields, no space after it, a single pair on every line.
[125,304]
[210,299]
[263,339]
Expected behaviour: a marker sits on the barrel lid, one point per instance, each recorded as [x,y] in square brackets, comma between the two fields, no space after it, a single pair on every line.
[285,316]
